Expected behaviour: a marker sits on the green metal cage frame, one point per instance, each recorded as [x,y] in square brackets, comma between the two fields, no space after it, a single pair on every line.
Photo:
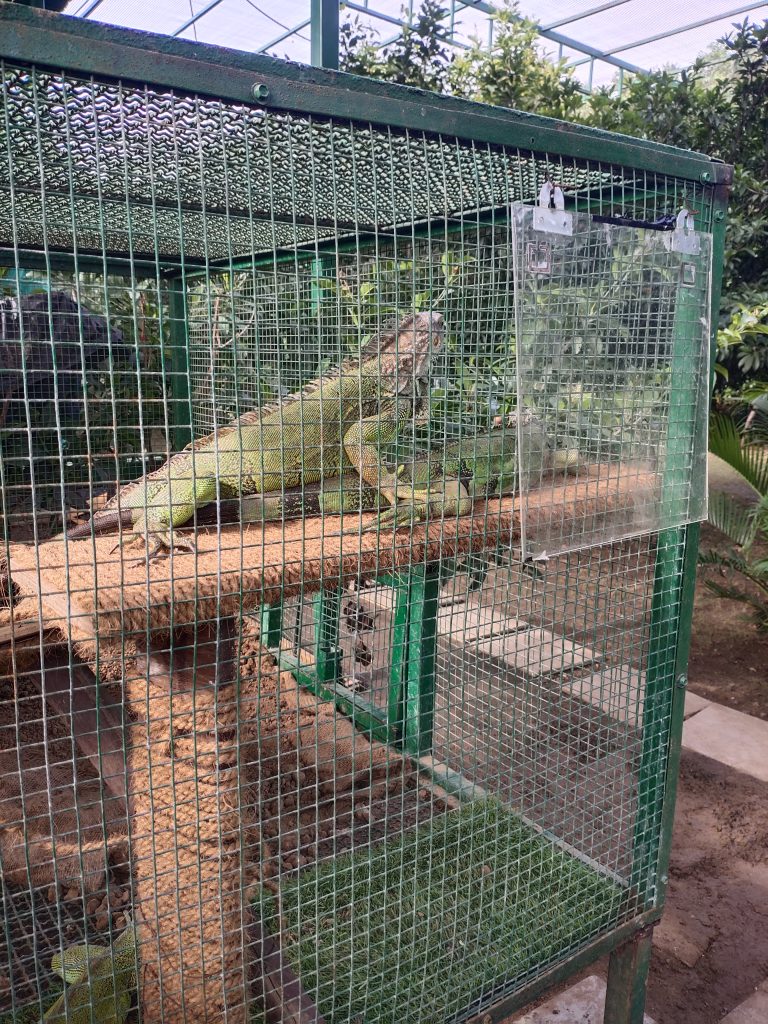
[39,38]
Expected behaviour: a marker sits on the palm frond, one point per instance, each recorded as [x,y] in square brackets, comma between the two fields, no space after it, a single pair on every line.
[749,461]
[729,516]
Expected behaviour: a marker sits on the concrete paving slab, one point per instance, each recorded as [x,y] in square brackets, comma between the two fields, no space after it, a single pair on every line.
[694,704]
[731,737]
[537,652]
[465,623]
[753,1010]
[583,1003]
[616,691]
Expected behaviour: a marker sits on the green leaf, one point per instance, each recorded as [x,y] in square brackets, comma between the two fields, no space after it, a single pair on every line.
[750,461]
[731,518]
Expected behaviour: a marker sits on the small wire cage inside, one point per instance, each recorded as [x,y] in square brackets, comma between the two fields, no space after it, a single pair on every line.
[375,772]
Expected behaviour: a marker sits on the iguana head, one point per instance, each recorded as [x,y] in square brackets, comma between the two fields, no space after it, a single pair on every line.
[405,353]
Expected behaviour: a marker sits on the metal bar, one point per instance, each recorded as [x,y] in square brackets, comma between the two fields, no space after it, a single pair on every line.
[627,975]
[572,19]
[677,31]
[327,606]
[668,615]
[271,624]
[398,666]
[102,50]
[232,214]
[558,37]
[34,260]
[196,17]
[325,33]
[364,715]
[284,35]
[690,559]
[89,9]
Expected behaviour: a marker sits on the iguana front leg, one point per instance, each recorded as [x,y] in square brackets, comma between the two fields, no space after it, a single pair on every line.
[409,500]
[156,521]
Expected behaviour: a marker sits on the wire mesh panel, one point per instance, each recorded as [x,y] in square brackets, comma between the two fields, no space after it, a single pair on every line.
[613,355]
[289,723]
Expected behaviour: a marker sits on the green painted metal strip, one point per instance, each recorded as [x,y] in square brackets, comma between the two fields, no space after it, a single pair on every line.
[690,561]
[399,664]
[327,652]
[451,781]
[675,736]
[271,629]
[365,716]
[419,696]
[125,266]
[92,48]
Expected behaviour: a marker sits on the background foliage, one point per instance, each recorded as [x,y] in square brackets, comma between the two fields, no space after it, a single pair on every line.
[719,106]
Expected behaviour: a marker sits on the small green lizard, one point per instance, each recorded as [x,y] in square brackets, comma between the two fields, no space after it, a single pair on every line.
[101,982]
[336,425]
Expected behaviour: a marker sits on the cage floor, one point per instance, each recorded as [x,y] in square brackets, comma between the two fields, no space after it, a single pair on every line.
[426,924]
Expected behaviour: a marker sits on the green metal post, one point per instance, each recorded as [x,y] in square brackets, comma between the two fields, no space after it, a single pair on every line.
[327,605]
[271,631]
[179,364]
[690,559]
[684,424]
[324,33]
[412,675]
[627,976]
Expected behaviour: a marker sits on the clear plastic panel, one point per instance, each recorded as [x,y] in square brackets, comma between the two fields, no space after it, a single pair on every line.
[613,335]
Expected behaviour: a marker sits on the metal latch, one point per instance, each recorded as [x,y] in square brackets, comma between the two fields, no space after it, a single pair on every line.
[549,215]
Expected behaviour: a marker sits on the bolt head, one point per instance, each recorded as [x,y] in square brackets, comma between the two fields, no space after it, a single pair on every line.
[706,176]
[259,91]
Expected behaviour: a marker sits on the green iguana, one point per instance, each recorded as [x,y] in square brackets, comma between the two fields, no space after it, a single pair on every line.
[335,425]
[450,479]
[101,980]
[444,482]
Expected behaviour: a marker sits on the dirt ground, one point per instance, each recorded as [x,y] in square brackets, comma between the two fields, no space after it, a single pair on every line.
[711,949]
[729,654]
[717,909]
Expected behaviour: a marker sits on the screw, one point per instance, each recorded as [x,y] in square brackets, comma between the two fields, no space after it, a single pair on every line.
[705,176]
[719,215]
[682,681]
[664,879]
[259,91]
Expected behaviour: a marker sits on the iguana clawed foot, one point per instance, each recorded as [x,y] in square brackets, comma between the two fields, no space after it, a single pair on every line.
[159,543]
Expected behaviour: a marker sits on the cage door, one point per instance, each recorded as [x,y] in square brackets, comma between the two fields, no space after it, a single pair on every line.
[613,338]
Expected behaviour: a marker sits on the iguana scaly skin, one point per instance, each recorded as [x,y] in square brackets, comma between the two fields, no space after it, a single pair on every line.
[334,426]
[101,982]
[454,477]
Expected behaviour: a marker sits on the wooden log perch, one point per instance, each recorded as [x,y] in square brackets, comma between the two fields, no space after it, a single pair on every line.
[90,594]
[194,839]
